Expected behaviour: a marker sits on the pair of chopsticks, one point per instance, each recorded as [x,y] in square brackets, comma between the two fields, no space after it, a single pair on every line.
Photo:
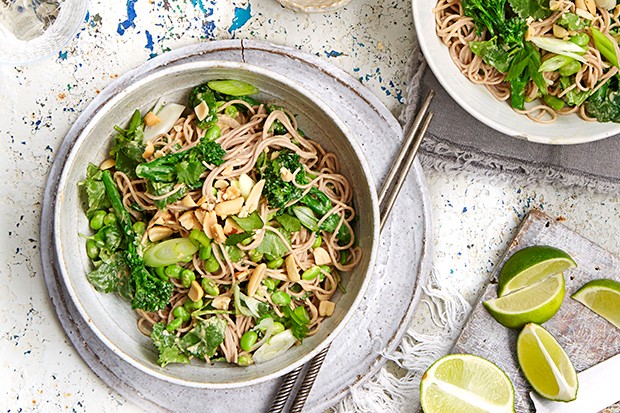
[387,196]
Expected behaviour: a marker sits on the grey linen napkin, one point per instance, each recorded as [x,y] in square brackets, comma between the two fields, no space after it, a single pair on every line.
[457,141]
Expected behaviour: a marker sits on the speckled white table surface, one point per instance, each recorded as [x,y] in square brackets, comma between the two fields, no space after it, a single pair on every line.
[473,217]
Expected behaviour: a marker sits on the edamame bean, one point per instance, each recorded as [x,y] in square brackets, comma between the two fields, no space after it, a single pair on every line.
[317,241]
[554,103]
[193,305]
[199,237]
[210,287]
[173,271]
[213,133]
[181,313]
[211,264]
[232,111]
[205,252]
[139,227]
[277,263]
[92,250]
[280,298]
[570,68]
[109,219]
[255,256]
[161,273]
[96,222]
[187,276]
[174,324]
[245,360]
[580,39]
[277,328]
[248,339]
[270,283]
[311,273]
[247,241]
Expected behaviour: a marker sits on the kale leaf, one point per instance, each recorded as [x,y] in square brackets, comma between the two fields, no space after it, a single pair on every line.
[106,277]
[128,147]
[278,192]
[604,104]
[165,342]
[492,54]
[96,198]
[204,339]
[537,9]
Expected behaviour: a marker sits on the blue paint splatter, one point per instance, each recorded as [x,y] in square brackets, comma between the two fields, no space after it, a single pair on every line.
[131,16]
[62,55]
[149,44]
[87,16]
[241,18]
[200,5]
[333,53]
[356,69]
[464,209]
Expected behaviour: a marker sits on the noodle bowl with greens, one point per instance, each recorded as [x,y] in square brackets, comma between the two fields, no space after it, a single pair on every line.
[223,225]
[561,55]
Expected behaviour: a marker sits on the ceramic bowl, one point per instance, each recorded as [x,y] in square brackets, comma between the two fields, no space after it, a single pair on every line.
[482,105]
[109,316]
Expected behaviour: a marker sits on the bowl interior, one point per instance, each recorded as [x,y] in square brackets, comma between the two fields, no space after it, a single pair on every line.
[481,104]
[110,316]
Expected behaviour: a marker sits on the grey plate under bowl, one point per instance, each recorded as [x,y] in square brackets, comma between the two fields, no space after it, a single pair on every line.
[402,263]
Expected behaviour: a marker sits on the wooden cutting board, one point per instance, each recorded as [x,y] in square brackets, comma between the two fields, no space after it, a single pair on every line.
[587,338]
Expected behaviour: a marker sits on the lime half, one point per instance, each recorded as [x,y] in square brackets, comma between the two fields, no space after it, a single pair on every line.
[534,304]
[545,364]
[603,297]
[466,384]
[530,265]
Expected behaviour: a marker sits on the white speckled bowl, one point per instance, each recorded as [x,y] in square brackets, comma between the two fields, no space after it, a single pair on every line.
[479,102]
[110,317]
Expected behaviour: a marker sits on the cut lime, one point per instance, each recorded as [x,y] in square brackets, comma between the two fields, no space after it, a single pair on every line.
[466,384]
[545,364]
[603,297]
[534,304]
[530,265]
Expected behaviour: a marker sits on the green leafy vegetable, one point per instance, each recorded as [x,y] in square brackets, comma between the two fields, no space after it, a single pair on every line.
[203,340]
[106,277]
[297,320]
[234,253]
[525,66]
[490,15]
[306,217]
[278,192]
[604,104]
[234,239]
[128,147]
[272,246]
[165,342]
[575,96]
[537,9]
[249,223]
[492,54]
[289,223]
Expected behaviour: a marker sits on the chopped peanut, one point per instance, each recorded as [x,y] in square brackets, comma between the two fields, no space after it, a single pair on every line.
[195,291]
[202,110]
[256,278]
[107,164]
[291,268]
[218,234]
[158,233]
[226,208]
[151,119]
[326,308]
[321,256]
[221,302]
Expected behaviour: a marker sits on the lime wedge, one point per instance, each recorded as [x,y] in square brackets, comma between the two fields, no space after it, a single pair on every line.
[603,297]
[466,384]
[530,265]
[534,304]
[545,364]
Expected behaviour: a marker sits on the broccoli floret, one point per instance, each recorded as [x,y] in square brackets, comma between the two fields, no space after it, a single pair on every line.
[278,192]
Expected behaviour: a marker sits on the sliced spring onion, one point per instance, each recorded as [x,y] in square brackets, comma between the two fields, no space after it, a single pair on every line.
[245,305]
[560,47]
[169,252]
[606,46]
[277,345]
[245,185]
[268,326]
[554,63]
[232,87]
[168,116]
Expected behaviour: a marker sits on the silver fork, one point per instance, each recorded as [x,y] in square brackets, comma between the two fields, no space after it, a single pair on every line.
[387,196]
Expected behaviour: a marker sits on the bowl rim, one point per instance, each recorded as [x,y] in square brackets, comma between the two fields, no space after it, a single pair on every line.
[149,368]
[419,8]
